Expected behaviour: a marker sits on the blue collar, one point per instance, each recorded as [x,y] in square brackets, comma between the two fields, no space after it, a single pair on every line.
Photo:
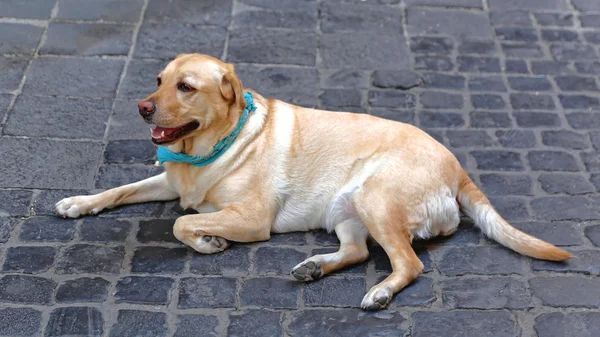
[165,154]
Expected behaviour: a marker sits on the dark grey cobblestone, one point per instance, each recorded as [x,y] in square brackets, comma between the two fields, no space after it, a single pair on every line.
[510,86]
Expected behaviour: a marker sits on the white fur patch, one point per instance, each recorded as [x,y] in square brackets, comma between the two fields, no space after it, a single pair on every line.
[438,214]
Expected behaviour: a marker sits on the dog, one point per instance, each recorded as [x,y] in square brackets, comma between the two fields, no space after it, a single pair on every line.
[252,166]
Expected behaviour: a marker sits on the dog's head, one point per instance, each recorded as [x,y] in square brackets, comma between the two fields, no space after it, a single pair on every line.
[195,92]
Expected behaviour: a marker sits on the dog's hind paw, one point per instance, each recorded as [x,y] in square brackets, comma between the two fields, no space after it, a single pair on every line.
[308,271]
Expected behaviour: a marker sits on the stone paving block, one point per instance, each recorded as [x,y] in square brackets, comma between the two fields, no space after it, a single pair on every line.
[584,291]
[62,76]
[459,24]
[572,51]
[26,289]
[35,9]
[586,262]
[516,66]
[565,183]
[441,100]
[272,46]
[516,34]
[586,5]
[446,3]
[277,260]
[584,120]
[537,119]
[555,324]
[589,20]
[464,324]
[337,292]
[557,233]
[5,100]
[443,81]
[158,260]
[360,17]
[565,208]
[36,116]
[478,64]
[486,83]
[6,227]
[498,160]
[505,184]
[196,325]
[341,97]
[270,292]
[15,202]
[431,45]
[87,39]
[104,230]
[11,72]
[19,321]
[511,208]
[157,230]
[285,14]
[487,119]
[392,99]
[593,234]
[565,139]
[43,203]
[349,322]
[431,119]
[522,50]
[554,35]
[579,102]
[19,38]
[108,10]
[23,160]
[140,323]
[468,138]
[29,260]
[511,17]
[230,262]
[47,228]
[433,62]
[477,293]
[487,102]
[363,50]
[217,13]
[111,176]
[72,321]
[516,138]
[94,259]
[344,78]
[554,19]
[294,85]
[139,82]
[481,260]
[528,4]
[144,290]
[85,289]
[418,293]
[166,41]
[294,238]
[213,292]
[521,83]
[126,123]
[254,323]
[552,161]
[531,102]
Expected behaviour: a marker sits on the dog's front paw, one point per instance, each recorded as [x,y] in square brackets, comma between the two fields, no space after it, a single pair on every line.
[377,299]
[74,207]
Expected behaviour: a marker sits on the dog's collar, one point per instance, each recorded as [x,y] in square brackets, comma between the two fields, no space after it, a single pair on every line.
[165,154]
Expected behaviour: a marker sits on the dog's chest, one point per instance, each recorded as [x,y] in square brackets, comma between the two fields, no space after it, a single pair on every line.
[190,185]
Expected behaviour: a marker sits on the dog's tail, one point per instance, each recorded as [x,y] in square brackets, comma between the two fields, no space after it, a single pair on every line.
[475,204]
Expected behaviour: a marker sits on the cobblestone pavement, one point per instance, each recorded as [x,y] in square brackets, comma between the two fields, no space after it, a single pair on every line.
[511,86]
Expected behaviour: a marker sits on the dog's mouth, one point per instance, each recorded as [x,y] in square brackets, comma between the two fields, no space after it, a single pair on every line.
[162,135]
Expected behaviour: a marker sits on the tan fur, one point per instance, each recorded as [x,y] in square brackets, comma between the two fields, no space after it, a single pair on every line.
[293,168]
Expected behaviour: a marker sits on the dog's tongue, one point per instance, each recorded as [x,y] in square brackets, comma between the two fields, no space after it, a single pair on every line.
[158,132]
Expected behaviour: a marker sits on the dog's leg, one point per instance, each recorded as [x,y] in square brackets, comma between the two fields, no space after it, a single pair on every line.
[152,189]
[353,249]
[387,224]
[209,232]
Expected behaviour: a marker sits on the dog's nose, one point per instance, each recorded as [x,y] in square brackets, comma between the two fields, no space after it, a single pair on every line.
[146,108]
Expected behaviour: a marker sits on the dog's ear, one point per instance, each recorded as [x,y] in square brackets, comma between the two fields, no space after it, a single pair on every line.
[231,88]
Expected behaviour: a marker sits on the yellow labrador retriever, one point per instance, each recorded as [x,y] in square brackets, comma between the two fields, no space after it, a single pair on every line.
[252,166]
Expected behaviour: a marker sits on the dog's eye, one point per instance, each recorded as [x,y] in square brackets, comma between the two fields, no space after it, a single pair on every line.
[158,81]
[184,87]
